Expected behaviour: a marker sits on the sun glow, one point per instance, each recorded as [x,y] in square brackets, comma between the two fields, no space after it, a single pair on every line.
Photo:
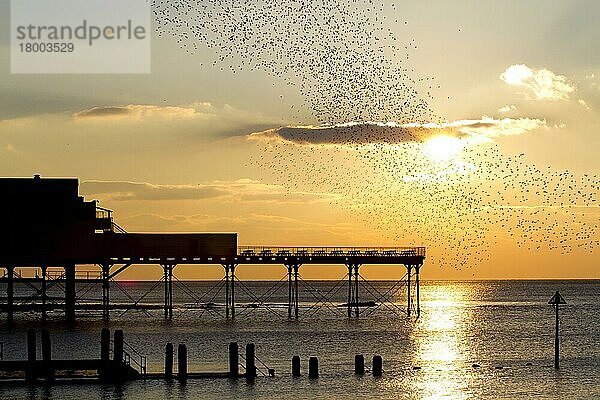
[442,148]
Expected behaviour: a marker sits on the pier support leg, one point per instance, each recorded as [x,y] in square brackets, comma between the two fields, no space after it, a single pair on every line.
[44,293]
[168,306]
[227,305]
[353,299]
[290,291]
[417,283]
[70,293]
[10,294]
[106,291]
[350,291]
[229,290]
[232,291]
[408,294]
[356,299]
[296,308]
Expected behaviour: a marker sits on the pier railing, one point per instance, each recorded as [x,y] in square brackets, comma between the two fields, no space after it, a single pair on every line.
[131,355]
[269,251]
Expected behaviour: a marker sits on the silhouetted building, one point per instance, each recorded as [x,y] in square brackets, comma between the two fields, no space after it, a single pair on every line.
[46,222]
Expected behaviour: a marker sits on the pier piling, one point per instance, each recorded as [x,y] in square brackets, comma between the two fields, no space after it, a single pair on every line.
[169,361]
[46,346]
[359,364]
[70,293]
[296,366]
[250,361]
[233,360]
[377,366]
[31,345]
[10,294]
[31,355]
[105,344]
[118,346]
[47,355]
[182,363]
[313,367]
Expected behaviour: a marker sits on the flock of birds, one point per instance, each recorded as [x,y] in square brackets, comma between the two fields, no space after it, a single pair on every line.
[345,61]
[340,55]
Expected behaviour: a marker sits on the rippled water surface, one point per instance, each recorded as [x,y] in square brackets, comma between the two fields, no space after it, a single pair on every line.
[506,327]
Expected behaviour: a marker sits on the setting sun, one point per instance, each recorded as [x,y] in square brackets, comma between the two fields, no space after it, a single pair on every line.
[442,148]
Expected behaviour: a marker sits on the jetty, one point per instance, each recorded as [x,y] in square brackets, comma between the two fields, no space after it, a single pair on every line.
[51,236]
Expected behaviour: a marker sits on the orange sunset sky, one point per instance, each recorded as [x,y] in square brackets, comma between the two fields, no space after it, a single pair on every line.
[499,181]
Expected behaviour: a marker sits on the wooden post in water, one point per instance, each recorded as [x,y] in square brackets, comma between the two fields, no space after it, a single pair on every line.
[296,366]
[169,361]
[250,361]
[105,344]
[377,365]
[182,363]
[234,360]
[359,364]
[556,301]
[118,346]
[31,355]
[47,354]
[10,294]
[313,367]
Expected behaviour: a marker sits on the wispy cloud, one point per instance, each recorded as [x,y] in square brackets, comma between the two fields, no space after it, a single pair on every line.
[584,104]
[543,83]
[353,134]
[141,111]
[507,109]
[245,190]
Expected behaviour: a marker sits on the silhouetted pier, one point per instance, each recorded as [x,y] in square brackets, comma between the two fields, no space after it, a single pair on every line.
[67,241]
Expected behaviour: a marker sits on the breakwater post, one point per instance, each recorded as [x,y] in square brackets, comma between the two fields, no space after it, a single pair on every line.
[105,344]
[182,362]
[377,365]
[313,367]
[118,346]
[359,364]
[31,355]
[169,361]
[234,360]
[556,301]
[296,366]
[250,361]
[47,355]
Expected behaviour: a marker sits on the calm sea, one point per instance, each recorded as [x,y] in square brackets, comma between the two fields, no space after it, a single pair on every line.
[506,327]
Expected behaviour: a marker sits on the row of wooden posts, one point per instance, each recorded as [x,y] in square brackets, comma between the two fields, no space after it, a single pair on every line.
[250,367]
[46,367]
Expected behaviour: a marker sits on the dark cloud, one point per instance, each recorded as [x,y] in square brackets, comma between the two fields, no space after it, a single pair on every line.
[350,134]
[103,112]
[391,133]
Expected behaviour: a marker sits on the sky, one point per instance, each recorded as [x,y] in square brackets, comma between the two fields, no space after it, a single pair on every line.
[470,128]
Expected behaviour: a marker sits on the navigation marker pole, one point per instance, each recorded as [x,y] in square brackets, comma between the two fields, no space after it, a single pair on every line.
[555,301]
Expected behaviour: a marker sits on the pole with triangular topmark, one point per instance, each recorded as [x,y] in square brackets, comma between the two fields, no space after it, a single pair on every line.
[555,301]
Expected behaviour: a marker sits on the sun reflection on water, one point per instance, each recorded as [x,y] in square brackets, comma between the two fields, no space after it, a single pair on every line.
[442,344]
